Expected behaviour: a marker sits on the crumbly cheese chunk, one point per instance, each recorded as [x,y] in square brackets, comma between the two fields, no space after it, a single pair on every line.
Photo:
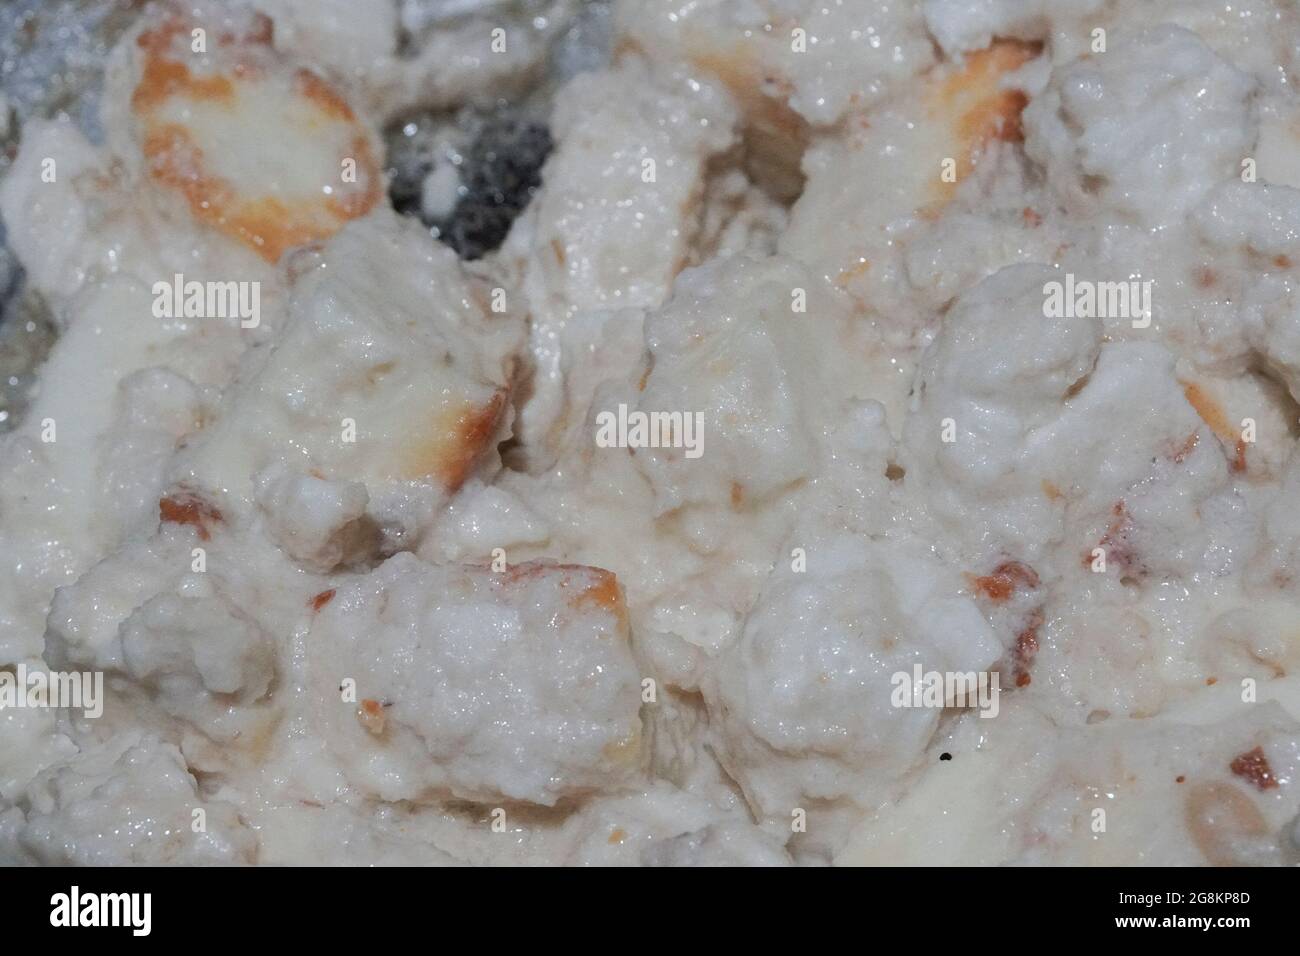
[515,685]
[803,701]
[892,171]
[316,166]
[622,207]
[819,60]
[129,803]
[366,383]
[761,357]
[1091,131]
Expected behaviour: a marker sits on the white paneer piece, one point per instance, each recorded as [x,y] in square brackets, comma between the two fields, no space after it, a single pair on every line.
[614,224]
[1255,35]
[189,646]
[194,623]
[122,385]
[349,38]
[1026,426]
[1276,563]
[313,520]
[129,802]
[46,202]
[959,26]
[817,60]
[803,704]
[85,468]
[392,373]
[30,741]
[764,361]
[86,617]
[897,167]
[1092,131]
[79,216]
[1249,231]
[622,204]
[309,165]
[489,686]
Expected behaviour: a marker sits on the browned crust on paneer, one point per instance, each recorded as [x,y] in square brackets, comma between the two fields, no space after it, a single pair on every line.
[189,508]
[323,598]
[1209,410]
[1026,649]
[163,77]
[266,224]
[371,716]
[988,110]
[971,101]
[1008,580]
[604,594]
[329,100]
[1253,766]
[592,587]
[1212,413]
[472,433]
[455,440]
[1005,580]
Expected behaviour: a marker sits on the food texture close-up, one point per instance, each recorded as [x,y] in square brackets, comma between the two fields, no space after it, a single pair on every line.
[650,432]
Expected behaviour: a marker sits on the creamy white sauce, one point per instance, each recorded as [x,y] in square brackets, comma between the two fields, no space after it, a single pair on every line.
[332,618]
